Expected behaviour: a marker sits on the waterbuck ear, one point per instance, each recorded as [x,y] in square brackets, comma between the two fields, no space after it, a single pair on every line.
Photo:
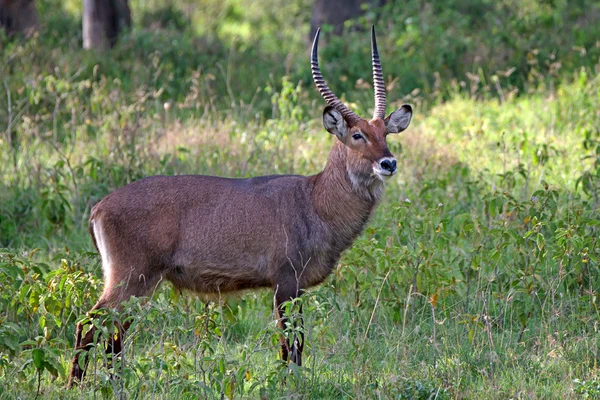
[398,121]
[335,123]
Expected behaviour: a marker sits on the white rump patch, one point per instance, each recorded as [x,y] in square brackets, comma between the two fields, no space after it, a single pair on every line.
[102,248]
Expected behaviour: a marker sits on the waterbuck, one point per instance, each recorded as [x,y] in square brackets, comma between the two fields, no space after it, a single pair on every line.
[209,234]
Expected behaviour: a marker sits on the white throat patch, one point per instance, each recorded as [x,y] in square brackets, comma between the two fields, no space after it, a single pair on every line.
[368,186]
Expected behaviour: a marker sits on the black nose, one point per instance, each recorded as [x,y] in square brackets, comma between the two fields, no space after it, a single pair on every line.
[388,164]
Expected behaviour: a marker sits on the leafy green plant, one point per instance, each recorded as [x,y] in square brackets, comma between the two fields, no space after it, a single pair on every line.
[476,278]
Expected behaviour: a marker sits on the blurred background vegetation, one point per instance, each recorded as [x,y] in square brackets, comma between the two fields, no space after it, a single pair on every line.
[477,277]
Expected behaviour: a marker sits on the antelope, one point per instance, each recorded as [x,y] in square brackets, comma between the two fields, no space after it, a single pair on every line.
[216,235]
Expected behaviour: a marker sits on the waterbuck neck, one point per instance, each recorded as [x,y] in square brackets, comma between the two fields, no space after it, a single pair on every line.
[344,198]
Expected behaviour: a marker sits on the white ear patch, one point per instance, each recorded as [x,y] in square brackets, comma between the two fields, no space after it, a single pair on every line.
[398,121]
[335,123]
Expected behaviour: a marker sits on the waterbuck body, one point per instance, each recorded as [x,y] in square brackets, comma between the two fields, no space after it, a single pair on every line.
[283,231]
[217,235]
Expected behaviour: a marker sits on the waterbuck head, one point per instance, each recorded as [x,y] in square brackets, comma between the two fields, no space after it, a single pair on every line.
[368,157]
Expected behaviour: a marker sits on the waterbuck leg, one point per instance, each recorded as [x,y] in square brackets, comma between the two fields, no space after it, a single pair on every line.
[112,297]
[83,344]
[114,345]
[293,353]
[298,343]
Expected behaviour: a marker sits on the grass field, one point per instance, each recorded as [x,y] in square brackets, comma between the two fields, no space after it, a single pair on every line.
[476,277]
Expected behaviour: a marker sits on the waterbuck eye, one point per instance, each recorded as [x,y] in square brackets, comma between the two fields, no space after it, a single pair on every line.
[357,136]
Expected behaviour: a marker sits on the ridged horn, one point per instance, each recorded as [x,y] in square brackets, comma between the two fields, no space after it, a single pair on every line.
[378,83]
[327,94]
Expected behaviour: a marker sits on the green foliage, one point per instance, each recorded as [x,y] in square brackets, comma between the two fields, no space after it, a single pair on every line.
[476,278]
[587,390]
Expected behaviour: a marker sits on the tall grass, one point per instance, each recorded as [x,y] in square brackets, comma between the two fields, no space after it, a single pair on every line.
[476,277]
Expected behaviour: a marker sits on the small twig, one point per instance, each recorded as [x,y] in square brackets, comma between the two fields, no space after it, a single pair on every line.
[410,289]
[9,127]
[416,268]
[75,75]
[488,328]
[523,327]
[73,178]
[39,384]
[10,123]
[226,76]
[376,303]
[434,335]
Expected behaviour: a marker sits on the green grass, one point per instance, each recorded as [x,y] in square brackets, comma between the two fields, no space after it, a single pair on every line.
[476,277]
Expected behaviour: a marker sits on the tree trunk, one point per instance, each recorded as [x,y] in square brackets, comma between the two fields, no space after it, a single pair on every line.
[336,12]
[103,20]
[18,16]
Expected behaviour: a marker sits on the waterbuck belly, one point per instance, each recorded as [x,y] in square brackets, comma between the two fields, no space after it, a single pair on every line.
[218,278]
[221,263]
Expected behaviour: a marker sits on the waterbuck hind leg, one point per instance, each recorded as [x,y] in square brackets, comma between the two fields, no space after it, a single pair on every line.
[83,344]
[112,297]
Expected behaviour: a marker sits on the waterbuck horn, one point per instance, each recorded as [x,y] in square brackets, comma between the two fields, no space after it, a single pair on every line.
[327,94]
[378,83]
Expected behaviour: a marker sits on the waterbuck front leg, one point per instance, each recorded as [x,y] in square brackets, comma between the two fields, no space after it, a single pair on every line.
[298,343]
[285,293]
